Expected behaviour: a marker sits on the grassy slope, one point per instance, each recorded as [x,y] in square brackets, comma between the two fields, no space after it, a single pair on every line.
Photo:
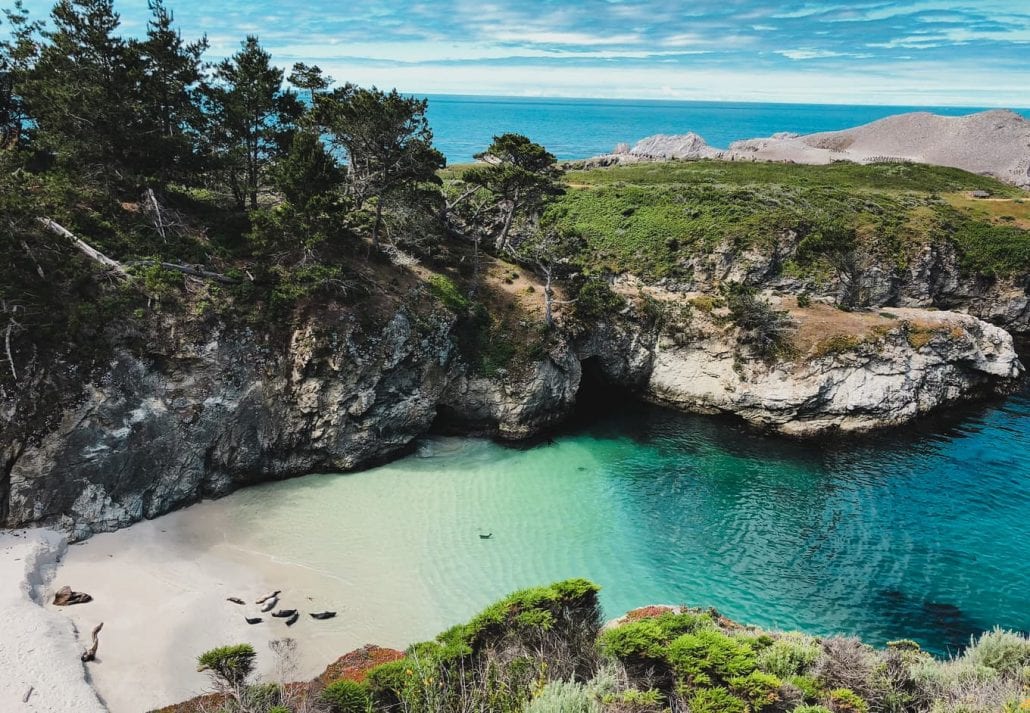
[648,217]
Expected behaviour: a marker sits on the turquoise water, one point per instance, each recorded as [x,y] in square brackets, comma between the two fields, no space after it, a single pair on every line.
[578,128]
[922,534]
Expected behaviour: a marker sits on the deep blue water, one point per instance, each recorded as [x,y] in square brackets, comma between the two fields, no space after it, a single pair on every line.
[579,128]
[922,532]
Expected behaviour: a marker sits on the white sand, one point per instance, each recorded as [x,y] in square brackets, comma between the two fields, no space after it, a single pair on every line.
[38,648]
[160,588]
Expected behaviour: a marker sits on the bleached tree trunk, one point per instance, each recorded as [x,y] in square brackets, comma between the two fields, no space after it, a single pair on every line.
[85,248]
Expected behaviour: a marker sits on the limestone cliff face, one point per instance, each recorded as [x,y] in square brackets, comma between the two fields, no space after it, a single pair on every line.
[184,419]
[884,382]
[932,278]
[152,434]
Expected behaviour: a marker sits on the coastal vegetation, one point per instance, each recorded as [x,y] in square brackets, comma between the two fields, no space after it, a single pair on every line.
[545,650]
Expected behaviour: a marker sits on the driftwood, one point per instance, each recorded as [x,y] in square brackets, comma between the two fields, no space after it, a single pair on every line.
[65,597]
[188,270]
[85,248]
[90,654]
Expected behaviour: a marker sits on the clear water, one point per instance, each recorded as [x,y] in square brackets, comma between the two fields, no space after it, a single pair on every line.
[924,533]
[578,128]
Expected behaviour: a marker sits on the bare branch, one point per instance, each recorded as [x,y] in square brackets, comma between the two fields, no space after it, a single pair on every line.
[85,248]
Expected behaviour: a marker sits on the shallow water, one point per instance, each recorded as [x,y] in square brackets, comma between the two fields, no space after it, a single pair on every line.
[921,534]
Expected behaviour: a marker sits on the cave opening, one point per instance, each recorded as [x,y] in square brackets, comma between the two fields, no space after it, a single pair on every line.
[597,396]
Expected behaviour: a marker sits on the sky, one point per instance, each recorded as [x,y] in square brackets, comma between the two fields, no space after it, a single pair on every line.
[924,52]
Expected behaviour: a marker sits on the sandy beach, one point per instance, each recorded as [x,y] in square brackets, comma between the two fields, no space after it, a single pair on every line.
[160,587]
[39,653]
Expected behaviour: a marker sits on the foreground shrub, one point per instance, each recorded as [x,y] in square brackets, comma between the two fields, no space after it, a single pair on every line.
[791,655]
[346,697]
[229,665]
[846,663]
[766,330]
[1005,651]
[715,700]
[709,657]
[648,638]
[757,688]
[564,697]
[844,700]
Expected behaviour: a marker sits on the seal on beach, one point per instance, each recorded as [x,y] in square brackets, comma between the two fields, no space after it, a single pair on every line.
[265,598]
[252,620]
[293,619]
[285,613]
[270,604]
[486,537]
[323,615]
[234,600]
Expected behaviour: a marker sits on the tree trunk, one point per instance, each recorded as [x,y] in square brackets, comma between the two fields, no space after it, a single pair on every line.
[379,221]
[88,250]
[502,242]
[548,300]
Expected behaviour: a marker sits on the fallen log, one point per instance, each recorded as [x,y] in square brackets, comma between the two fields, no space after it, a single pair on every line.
[90,654]
[85,248]
[187,270]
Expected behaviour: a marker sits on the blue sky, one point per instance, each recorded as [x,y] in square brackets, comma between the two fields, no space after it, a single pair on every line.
[932,52]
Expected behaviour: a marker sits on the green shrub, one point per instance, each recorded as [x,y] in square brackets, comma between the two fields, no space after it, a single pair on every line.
[563,697]
[389,678]
[231,665]
[1004,651]
[791,655]
[804,300]
[844,700]
[346,697]
[648,638]
[812,709]
[757,688]
[596,300]
[766,330]
[715,700]
[636,701]
[279,709]
[807,685]
[708,657]
[447,292]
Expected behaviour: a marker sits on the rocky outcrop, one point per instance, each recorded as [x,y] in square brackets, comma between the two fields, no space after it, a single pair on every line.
[189,418]
[873,383]
[514,405]
[993,143]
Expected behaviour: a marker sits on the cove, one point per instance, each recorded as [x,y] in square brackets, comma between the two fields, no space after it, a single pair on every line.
[919,534]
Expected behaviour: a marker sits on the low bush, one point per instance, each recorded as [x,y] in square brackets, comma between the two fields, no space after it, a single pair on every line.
[346,697]
[709,657]
[790,655]
[564,697]
[715,700]
[1004,651]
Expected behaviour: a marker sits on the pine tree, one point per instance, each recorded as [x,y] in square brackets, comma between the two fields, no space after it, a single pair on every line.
[170,117]
[79,92]
[388,143]
[253,118]
[18,54]
[520,174]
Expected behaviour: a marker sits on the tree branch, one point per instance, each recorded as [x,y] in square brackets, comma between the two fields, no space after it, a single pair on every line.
[85,248]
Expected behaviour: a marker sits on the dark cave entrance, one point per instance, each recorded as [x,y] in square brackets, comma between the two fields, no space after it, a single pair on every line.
[597,396]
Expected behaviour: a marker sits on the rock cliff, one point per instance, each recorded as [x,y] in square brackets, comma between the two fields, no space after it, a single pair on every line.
[198,416]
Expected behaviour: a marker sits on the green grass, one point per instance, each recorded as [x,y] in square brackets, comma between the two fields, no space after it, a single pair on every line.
[651,218]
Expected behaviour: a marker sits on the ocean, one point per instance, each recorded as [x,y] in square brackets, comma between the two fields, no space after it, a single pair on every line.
[580,128]
[919,532]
